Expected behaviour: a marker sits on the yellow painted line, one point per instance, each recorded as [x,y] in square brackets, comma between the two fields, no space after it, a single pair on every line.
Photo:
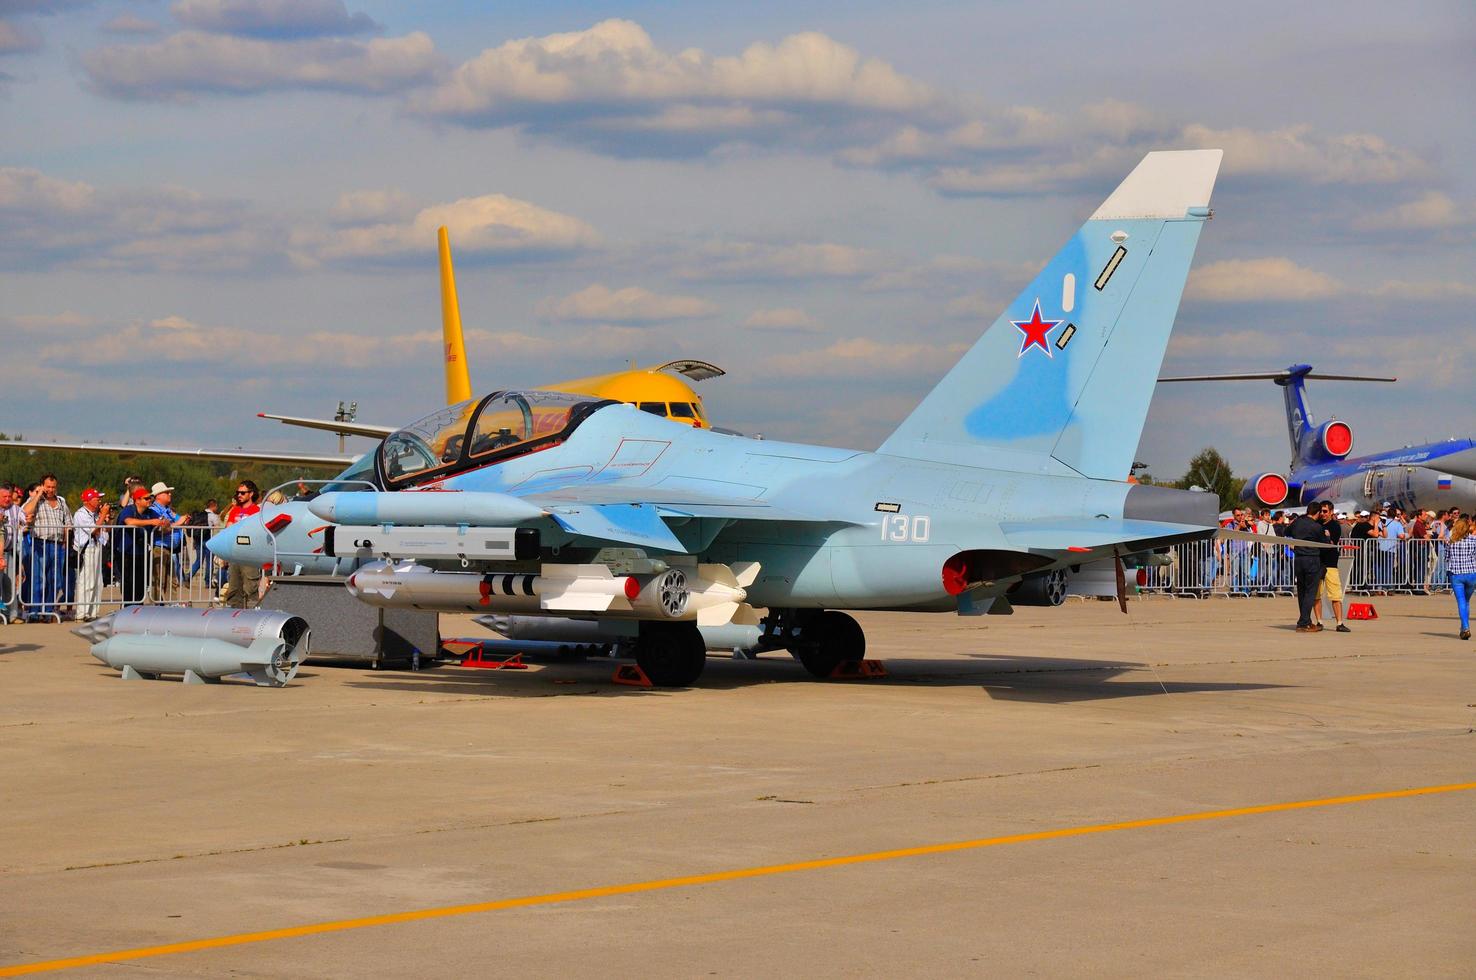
[585,894]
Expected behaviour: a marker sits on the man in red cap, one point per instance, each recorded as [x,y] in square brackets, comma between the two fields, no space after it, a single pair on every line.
[89,539]
[134,548]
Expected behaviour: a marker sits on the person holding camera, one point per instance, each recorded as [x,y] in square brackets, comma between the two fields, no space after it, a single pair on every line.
[89,541]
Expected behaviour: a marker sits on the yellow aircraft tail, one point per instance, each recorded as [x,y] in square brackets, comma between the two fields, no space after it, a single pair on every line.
[458,380]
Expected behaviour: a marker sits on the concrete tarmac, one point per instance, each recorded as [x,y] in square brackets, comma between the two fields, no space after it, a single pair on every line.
[147,813]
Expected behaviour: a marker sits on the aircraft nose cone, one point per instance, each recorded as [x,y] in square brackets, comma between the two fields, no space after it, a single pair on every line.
[242,543]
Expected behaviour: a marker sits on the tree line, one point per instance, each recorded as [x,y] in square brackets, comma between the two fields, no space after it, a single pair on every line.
[195,480]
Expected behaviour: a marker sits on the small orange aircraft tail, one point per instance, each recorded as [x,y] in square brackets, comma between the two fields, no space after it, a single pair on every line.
[458,380]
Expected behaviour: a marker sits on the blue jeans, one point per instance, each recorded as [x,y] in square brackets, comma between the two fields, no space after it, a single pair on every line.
[1464,586]
[46,576]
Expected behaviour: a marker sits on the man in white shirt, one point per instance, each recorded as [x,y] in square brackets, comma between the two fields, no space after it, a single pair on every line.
[89,541]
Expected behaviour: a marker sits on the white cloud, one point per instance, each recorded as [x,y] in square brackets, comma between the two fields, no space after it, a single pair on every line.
[1258,280]
[66,321]
[631,305]
[759,261]
[15,39]
[54,222]
[975,306]
[603,84]
[1430,211]
[193,63]
[130,23]
[1282,280]
[280,19]
[1307,155]
[492,225]
[1023,150]
[782,318]
[862,357]
[1426,289]
[368,207]
[50,221]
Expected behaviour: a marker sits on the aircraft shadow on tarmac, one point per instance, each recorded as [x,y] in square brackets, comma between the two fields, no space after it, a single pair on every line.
[1003,678]
[19,647]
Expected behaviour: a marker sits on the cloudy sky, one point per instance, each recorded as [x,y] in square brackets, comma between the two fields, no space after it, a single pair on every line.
[210,208]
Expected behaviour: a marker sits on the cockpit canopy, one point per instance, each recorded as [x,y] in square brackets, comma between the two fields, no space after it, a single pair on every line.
[480,431]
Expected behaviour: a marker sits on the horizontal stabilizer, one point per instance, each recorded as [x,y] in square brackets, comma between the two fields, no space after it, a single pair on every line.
[693,370]
[331,425]
[1274,376]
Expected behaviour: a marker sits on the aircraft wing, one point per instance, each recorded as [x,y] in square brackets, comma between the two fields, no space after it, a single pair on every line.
[1097,537]
[1228,534]
[233,455]
[330,425]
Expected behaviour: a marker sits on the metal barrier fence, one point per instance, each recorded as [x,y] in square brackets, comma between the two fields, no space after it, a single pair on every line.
[1202,569]
[83,575]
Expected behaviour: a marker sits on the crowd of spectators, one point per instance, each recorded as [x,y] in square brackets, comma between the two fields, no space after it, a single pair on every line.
[56,562]
[1396,562]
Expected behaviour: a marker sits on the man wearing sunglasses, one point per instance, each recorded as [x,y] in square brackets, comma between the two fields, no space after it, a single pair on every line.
[1307,564]
[1331,586]
[242,581]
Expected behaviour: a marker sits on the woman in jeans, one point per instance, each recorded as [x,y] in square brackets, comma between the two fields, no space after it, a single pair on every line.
[1460,561]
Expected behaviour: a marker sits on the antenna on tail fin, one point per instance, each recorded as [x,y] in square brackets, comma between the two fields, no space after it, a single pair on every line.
[458,381]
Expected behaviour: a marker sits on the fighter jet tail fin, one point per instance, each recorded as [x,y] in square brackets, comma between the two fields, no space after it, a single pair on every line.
[1060,383]
[458,381]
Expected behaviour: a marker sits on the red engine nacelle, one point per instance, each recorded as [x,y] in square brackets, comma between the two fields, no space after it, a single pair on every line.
[1266,489]
[1335,438]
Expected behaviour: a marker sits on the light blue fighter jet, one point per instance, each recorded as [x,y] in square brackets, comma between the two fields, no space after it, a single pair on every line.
[554,504]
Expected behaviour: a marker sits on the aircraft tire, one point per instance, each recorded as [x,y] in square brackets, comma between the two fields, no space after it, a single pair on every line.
[671,654]
[831,639]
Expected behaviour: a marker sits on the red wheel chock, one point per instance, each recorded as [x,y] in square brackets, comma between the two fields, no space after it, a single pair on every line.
[1362,610]
[858,670]
[477,657]
[631,675]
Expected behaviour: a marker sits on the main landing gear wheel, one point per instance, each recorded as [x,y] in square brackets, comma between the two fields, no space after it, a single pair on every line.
[827,640]
[671,654]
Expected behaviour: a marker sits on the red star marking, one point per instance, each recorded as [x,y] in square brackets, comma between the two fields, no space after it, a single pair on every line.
[1036,331]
